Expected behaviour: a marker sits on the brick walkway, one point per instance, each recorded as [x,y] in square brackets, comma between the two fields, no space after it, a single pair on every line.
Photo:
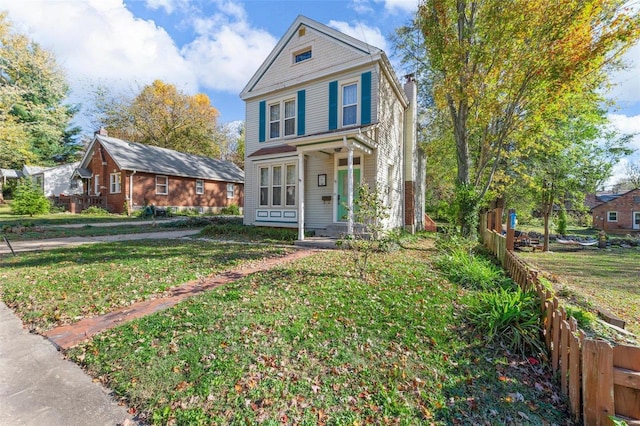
[67,336]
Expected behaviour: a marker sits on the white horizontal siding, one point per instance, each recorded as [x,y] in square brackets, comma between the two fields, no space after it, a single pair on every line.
[318,213]
[326,53]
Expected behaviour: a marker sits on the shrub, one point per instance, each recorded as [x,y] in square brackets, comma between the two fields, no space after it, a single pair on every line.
[95,211]
[562,222]
[369,214]
[231,231]
[28,198]
[509,317]
[231,209]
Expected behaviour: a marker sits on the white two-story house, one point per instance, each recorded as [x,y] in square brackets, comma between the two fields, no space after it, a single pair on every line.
[324,113]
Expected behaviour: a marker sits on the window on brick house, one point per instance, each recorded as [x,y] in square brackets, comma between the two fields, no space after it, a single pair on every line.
[162,185]
[612,216]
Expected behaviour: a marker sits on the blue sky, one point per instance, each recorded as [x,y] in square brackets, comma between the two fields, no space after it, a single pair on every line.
[215,46]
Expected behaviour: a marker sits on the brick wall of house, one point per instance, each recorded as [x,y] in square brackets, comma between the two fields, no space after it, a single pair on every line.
[181,193]
[103,165]
[625,206]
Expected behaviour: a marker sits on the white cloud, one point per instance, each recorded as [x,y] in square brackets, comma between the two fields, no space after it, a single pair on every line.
[625,125]
[100,40]
[627,81]
[227,50]
[362,32]
[401,5]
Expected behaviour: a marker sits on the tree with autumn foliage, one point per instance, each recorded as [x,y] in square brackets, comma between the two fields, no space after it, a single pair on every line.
[494,65]
[163,116]
[34,121]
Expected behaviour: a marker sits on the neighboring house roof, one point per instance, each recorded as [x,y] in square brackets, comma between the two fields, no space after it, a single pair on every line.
[54,169]
[11,174]
[591,201]
[607,197]
[152,159]
[32,170]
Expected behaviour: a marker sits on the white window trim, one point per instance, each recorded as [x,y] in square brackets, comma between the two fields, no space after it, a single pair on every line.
[166,185]
[298,50]
[231,190]
[281,120]
[199,186]
[283,184]
[96,184]
[115,183]
[609,216]
[342,85]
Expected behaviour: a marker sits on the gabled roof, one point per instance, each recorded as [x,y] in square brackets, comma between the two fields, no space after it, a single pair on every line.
[152,159]
[369,52]
[606,197]
[11,174]
[32,170]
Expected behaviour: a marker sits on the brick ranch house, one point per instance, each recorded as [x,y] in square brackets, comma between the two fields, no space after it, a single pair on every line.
[620,213]
[124,176]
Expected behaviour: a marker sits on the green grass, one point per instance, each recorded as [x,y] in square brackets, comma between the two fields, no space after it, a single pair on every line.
[46,232]
[605,278]
[57,287]
[310,343]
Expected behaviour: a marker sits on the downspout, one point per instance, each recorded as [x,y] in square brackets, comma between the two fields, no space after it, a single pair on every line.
[131,191]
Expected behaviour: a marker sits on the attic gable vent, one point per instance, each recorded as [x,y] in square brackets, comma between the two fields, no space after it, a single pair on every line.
[302,31]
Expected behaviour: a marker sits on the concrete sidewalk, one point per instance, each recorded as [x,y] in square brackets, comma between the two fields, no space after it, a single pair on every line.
[39,387]
[52,243]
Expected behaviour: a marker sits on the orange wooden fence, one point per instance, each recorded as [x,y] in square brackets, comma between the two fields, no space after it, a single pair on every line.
[599,380]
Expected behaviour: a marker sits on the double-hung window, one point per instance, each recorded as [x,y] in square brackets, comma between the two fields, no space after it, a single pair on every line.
[114,183]
[290,118]
[349,104]
[231,190]
[277,185]
[291,185]
[199,186]
[162,185]
[264,186]
[274,121]
[282,119]
[96,184]
[612,216]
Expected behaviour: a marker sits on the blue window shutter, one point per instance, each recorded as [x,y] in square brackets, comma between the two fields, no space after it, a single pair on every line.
[333,105]
[262,132]
[365,103]
[302,98]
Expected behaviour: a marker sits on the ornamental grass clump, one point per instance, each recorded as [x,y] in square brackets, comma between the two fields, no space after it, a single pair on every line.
[509,317]
[472,271]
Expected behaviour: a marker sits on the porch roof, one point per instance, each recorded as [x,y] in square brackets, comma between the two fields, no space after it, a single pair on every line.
[81,173]
[336,140]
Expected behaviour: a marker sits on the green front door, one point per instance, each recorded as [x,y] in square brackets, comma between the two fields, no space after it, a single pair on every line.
[343,192]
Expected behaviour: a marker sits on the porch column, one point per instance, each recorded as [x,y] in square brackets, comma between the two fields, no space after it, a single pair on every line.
[350,190]
[300,196]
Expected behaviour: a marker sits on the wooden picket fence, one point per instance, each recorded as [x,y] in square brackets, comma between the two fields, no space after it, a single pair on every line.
[599,380]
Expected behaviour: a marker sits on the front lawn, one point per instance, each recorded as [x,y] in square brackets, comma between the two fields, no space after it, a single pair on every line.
[310,343]
[56,287]
[596,278]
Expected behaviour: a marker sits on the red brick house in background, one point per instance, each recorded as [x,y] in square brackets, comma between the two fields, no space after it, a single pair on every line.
[618,213]
[120,175]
